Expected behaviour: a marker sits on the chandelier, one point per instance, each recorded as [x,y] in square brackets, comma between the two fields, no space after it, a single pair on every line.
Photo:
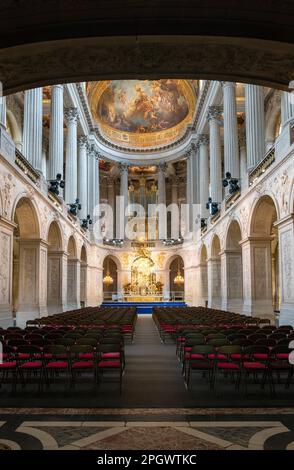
[178,280]
[107,280]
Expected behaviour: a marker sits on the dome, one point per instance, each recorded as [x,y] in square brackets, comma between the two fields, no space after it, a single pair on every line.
[142,113]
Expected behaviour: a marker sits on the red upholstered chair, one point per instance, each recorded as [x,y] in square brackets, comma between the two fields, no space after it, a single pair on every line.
[8,366]
[82,359]
[110,360]
[280,366]
[30,364]
[255,362]
[228,360]
[199,362]
[56,363]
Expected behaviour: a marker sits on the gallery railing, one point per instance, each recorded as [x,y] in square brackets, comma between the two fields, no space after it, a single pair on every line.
[173,296]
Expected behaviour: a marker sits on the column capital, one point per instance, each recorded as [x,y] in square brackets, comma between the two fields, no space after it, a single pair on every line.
[93,151]
[203,139]
[162,167]
[214,112]
[71,114]
[83,141]
[195,146]
[123,167]
[228,84]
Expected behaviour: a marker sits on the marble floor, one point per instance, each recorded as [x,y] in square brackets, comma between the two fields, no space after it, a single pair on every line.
[147,429]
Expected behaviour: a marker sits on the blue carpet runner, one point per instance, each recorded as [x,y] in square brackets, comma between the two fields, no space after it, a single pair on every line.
[143,307]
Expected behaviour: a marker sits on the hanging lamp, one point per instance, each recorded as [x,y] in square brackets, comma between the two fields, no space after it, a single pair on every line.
[107,280]
[178,280]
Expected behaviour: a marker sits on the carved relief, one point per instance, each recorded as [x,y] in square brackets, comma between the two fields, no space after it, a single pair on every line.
[5,268]
[6,191]
[244,216]
[287,261]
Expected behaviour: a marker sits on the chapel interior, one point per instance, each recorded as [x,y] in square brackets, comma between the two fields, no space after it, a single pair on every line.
[147,246]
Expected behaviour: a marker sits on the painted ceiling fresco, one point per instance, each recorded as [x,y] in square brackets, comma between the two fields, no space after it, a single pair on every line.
[142,113]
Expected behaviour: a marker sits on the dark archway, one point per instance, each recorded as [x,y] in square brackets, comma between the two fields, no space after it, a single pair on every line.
[49,42]
[110,269]
[176,268]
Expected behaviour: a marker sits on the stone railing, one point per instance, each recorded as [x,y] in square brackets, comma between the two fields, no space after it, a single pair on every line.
[26,167]
[231,198]
[262,166]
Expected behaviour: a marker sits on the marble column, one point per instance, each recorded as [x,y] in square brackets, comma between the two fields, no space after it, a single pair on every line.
[56,132]
[231,149]
[3,111]
[174,190]
[203,172]
[161,183]
[286,269]
[91,180]
[6,260]
[287,107]
[71,161]
[214,113]
[111,202]
[121,209]
[32,290]
[195,172]
[243,162]
[255,124]
[83,175]
[32,127]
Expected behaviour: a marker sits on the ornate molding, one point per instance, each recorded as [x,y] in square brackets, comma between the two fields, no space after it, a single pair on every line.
[203,139]
[71,114]
[214,112]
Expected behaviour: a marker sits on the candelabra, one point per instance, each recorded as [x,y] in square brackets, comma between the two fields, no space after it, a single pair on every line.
[86,222]
[75,207]
[56,184]
[232,182]
[212,206]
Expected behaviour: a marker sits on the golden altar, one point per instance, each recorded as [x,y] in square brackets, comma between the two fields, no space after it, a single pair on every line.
[142,298]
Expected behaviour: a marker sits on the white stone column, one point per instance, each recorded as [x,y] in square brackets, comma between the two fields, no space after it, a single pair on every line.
[257,279]
[71,161]
[111,203]
[204,173]
[231,149]
[97,180]
[243,162]
[189,186]
[214,113]
[287,107]
[286,269]
[32,127]
[56,132]
[255,124]
[161,183]
[121,216]
[6,260]
[174,185]
[195,172]
[3,111]
[83,175]
[32,293]
[91,180]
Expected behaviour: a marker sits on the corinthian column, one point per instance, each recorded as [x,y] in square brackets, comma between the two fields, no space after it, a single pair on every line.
[32,127]
[71,165]
[161,183]
[287,107]
[231,150]
[91,180]
[255,129]
[214,113]
[121,216]
[82,175]
[204,172]
[2,111]
[56,132]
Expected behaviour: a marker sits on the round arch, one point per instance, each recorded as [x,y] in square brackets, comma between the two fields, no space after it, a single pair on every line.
[232,269]
[263,214]
[139,38]
[214,273]
[72,248]
[55,268]
[54,236]
[111,267]
[26,217]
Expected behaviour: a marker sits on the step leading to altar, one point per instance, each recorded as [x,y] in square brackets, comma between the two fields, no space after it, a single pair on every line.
[143,307]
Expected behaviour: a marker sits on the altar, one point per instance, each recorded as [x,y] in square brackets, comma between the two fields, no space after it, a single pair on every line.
[142,298]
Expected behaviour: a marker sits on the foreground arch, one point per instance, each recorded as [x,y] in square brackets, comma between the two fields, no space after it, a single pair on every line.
[87,41]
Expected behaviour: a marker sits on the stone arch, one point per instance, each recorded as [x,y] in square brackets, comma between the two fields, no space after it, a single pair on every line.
[56,269]
[111,268]
[214,273]
[264,256]
[176,265]
[263,214]
[232,269]
[29,263]
[14,129]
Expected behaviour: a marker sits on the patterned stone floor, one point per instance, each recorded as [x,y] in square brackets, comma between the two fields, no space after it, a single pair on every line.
[147,429]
